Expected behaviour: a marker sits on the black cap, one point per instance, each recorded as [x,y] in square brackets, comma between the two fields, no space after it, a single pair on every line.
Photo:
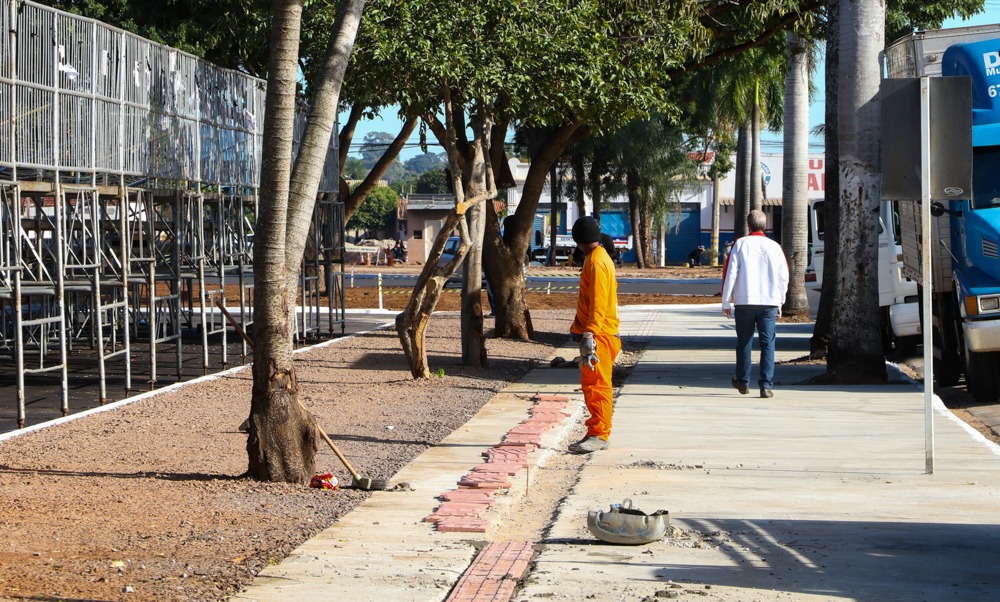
[586,230]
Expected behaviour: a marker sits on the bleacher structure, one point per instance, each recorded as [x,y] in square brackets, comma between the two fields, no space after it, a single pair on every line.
[128,189]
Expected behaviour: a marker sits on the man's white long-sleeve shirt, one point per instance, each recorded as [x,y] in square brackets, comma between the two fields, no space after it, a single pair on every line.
[756,273]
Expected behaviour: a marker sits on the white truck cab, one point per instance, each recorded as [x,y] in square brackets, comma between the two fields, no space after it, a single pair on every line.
[898,298]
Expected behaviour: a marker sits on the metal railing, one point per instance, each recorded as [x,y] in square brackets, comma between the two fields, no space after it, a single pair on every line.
[128,193]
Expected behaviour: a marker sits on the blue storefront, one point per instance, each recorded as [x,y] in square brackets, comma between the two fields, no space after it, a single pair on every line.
[683,231]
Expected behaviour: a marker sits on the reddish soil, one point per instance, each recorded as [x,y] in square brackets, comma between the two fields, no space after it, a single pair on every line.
[148,501]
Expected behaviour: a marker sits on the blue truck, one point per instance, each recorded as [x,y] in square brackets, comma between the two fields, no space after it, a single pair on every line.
[965,232]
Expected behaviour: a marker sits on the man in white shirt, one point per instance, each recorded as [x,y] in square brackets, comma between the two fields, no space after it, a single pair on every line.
[755,281]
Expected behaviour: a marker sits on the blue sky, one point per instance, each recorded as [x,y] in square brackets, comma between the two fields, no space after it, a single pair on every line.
[771,142]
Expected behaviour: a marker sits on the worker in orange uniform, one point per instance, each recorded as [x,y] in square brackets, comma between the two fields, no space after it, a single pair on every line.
[595,328]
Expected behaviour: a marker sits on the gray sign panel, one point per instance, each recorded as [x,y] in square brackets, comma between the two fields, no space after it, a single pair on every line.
[950,138]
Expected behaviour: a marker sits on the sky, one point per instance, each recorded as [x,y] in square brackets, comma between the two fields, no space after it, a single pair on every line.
[770,141]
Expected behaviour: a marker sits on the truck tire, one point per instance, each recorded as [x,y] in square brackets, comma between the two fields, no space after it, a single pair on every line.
[982,375]
[947,371]
[907,346]
[886,331]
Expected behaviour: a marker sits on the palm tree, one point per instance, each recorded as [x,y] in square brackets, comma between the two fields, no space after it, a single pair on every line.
[794,195]
[654,163]
[751,86]
[282,437]
[855,349]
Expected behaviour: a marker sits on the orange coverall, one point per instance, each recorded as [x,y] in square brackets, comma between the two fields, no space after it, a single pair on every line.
[597,312]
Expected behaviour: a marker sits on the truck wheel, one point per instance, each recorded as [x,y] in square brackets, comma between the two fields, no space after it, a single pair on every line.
[947,371]
[982,375]
[907,346]
[886,331]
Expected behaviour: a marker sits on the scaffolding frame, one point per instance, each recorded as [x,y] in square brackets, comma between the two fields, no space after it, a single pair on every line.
[129,176]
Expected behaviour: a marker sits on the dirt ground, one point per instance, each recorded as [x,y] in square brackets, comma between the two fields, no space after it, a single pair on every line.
[148,501]
[395,298]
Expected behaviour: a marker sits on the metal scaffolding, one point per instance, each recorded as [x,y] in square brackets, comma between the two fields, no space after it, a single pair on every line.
[128,194]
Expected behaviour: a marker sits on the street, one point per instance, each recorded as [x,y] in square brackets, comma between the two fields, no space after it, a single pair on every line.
[564,283]
[956,398]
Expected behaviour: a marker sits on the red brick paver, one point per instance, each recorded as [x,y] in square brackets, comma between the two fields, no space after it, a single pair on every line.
[494,573]
[463,509]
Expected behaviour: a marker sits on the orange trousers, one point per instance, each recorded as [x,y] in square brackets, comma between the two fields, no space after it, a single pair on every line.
[596,385]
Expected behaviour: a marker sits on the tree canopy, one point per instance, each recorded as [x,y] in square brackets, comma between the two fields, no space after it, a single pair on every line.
[376,212]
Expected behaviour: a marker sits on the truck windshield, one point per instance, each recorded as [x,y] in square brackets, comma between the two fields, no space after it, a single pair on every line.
[985,184]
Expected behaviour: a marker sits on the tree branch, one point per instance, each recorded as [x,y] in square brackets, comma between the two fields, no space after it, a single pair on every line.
[720,55]
[378,170]
[347,132]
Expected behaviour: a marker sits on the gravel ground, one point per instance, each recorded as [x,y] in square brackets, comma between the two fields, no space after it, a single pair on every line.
[147,502]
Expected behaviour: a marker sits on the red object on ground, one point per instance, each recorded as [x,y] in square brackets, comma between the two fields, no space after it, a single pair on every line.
[324,481]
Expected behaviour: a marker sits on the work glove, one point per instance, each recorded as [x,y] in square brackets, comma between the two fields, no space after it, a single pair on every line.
[588,350]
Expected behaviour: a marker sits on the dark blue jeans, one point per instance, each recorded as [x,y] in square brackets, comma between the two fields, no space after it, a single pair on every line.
[762,318]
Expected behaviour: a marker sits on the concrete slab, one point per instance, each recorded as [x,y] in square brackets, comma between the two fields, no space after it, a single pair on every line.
[819,493]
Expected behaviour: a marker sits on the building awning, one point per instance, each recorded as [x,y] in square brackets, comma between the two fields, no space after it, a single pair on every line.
[441,203]
[729,202]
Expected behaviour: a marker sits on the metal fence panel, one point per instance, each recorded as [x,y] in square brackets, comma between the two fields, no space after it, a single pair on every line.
[35,48]
[34,118]
[79,95]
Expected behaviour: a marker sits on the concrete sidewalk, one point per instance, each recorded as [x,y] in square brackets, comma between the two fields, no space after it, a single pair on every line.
[819,493]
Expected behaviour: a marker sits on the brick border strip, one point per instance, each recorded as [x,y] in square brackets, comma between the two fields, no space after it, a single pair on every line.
[462,510]
[494,573]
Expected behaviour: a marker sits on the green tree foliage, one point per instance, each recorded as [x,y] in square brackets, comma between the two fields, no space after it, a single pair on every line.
[652,164]
[374,146]
[431,182]
[905,16]
[426,162]
[376,212]
[353,169]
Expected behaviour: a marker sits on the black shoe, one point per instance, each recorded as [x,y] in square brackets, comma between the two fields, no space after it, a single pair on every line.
[740,386]
[766,393]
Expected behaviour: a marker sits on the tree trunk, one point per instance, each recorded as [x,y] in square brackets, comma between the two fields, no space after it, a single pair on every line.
[313,151]
[469,169]
[820,341]
[411,323]
[553,212]
[282,441]
[756,178]
[503,259]
[503,271]
[716,211]
[741,204]
[596,192]
[855,344]
[646,229]
[661,238]
[632,191]
[473,339]
[795,194]
[580,179]
[347,133]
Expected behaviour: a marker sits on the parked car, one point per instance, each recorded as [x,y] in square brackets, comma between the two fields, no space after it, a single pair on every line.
[450,249]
